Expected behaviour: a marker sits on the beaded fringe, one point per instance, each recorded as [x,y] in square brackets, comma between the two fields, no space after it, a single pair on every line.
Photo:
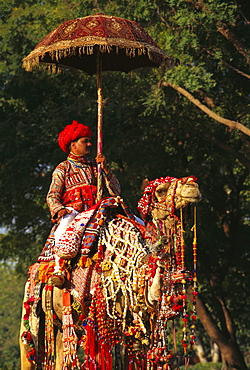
[49,340]
[70,358]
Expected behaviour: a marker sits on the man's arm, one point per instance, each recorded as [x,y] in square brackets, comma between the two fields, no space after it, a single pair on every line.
[54,196]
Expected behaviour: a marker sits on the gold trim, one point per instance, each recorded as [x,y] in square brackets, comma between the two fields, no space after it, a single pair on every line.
[85,45]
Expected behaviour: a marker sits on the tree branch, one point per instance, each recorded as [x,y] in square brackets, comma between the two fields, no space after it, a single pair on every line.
[242,159]
[228,321]
[207,320]
[225,31]
[241,13]
[231,124]
[227,64]
[231,37]
[229,348]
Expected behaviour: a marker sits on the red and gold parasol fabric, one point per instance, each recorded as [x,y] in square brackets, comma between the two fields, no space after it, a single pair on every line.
[124,45]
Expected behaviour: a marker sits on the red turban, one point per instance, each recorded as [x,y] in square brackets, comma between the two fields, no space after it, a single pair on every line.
[72,132]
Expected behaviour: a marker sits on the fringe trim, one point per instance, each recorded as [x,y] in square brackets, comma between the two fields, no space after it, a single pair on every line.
[49,340]
[65,49]
[70,358]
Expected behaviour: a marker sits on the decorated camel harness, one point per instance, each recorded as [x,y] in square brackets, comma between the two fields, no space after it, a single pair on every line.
[126,280]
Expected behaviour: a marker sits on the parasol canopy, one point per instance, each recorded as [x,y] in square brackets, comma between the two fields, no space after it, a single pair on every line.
[124,45]
[94,44]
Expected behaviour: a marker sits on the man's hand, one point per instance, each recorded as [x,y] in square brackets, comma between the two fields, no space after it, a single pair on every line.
[62,213]
[101,159]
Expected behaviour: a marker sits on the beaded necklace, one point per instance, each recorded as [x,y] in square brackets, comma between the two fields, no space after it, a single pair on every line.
[78,160]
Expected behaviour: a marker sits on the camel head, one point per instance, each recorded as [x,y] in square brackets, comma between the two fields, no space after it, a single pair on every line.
[163,196]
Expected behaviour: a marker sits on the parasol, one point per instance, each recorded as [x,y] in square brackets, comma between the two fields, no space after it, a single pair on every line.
[94,44]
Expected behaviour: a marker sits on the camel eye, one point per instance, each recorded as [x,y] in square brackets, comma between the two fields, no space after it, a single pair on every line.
[161,191]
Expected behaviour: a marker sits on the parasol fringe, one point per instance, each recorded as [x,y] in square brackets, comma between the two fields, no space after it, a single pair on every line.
[62,49]
[32,62]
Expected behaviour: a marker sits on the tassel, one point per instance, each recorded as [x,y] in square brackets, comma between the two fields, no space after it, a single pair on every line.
[90,350]
[49,340]
[106,356]
[70,358]
[130,362]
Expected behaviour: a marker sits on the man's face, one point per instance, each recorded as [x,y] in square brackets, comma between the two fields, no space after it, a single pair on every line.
[81,147]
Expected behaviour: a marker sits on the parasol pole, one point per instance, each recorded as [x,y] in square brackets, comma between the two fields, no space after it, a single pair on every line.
[99,119]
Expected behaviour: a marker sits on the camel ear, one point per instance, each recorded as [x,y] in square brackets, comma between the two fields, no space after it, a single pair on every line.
[144,184]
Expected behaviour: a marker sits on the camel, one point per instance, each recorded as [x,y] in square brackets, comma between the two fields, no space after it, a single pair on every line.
[121,295]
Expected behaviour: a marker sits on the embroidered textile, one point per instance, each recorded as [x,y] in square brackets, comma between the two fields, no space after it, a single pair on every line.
[124,45]
[74,185]
[85,228]
[47,253]
[82,232]
[68,244]
[80,286]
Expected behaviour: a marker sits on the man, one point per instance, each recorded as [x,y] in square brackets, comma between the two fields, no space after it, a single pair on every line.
[74,182]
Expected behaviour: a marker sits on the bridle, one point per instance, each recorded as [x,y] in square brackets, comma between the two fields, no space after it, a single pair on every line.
[167,204]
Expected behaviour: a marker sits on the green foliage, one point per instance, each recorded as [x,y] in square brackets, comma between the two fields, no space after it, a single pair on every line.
[149,130]
[11,286]
[191,77]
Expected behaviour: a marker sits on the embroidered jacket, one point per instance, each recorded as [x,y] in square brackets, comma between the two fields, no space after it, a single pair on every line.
[74,185]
